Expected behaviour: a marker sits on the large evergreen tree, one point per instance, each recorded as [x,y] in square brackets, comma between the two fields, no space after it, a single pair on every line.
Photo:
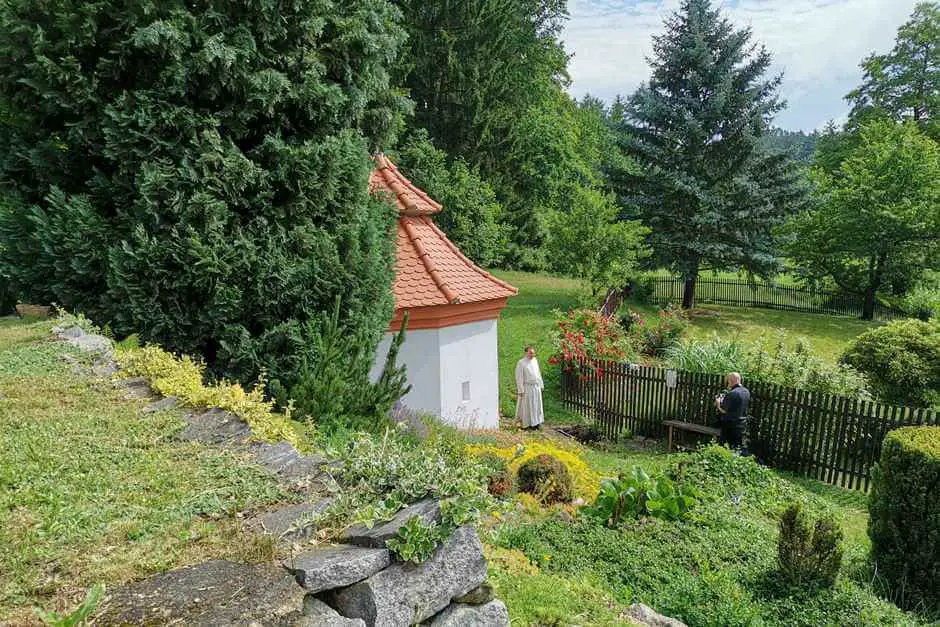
[710,194]
[197,171]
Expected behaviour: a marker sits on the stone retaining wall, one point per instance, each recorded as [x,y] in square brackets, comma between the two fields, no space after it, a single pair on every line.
[358,582]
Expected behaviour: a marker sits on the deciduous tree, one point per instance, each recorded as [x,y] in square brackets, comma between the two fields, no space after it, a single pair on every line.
[878,216]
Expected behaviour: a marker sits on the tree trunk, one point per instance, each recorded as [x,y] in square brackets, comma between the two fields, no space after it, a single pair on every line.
[688,292]
[868,307]
[875,267]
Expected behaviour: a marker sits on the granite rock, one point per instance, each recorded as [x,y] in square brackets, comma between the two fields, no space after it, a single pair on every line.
[405,594]
[214,593]
[492,614]
[332,567]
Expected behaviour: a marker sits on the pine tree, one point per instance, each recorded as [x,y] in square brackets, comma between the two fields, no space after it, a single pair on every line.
[709,193]
[197,171]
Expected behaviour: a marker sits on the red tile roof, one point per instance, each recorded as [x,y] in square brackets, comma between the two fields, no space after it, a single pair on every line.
[430,269]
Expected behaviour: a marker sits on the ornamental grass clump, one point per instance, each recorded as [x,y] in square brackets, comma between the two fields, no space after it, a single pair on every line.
[547,478]
[808,553]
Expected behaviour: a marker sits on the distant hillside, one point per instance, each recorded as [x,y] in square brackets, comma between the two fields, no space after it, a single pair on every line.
[799,145]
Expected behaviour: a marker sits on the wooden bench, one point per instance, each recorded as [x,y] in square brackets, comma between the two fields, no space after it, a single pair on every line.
[686,426]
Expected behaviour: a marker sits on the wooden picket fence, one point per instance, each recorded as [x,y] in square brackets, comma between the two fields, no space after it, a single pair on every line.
[769,296]
[831,438]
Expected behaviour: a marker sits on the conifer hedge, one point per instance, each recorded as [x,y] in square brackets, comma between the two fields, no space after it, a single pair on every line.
[197,171]
[904,523]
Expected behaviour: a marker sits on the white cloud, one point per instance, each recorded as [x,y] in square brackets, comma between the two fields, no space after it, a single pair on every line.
[818,44]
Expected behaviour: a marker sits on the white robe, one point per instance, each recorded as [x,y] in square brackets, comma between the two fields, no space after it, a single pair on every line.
[529,384]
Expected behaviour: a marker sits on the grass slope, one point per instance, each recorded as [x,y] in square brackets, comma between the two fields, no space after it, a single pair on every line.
[93,490]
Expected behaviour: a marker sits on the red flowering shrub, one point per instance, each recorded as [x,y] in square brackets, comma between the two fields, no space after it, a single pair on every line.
[583,339]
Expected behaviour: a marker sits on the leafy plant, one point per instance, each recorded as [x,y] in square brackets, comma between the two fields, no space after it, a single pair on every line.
[416,540]
[79,614]
[636,494]
[584,337]
[382,475]
[902,361]
[547,478]
[808,553]
[655,339]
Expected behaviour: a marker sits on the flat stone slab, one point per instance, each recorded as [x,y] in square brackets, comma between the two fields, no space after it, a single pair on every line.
[645,615]
[104,368]
[360,535]
[214,594]
[287,523]
[406,594]
[162,405]
[492,614]
[89,343]
[332,567]
[135,387]
[216,426]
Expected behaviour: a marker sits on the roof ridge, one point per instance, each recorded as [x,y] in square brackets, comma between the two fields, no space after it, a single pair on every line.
[465,259]
[401,187]
[452,297]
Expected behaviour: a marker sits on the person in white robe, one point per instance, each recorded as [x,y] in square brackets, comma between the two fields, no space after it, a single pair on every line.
[529,386]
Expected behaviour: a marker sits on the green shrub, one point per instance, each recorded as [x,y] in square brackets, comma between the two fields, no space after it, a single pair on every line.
[808,554]
[198,172]
[904,508]
[923,302]
[636,494]
[499,477]
[655,339]
[547,478]
[901,360]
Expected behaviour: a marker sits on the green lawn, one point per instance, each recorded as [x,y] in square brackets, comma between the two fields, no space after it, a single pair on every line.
[93,490]
[528,319]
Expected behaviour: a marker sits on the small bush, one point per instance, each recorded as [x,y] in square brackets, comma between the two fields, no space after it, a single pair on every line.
[808,554]
[656,339]
[183,377]
[901,360]
[499,477]
[904,508]
[585,337]
[547,478]
[586,481]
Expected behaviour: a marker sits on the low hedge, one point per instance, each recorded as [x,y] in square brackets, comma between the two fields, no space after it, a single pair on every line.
[904,523]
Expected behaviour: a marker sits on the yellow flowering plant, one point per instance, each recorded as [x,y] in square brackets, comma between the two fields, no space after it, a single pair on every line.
[183,377]
[586,481]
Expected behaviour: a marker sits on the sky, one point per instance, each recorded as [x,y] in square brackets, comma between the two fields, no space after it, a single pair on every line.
[817,44]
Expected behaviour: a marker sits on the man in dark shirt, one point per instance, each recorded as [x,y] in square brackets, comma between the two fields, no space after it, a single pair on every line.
[733,409]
